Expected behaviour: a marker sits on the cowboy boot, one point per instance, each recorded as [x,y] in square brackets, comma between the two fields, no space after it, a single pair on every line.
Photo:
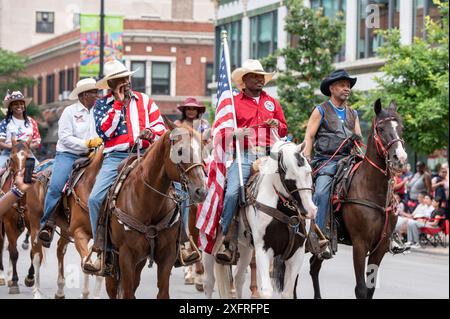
[228,248]
[94,267]
[47,231]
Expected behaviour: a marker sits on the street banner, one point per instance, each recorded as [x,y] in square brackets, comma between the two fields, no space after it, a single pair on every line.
[90,42]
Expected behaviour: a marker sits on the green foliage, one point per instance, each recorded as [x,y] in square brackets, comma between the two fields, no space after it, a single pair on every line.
[319,40]
[416,77]
[12,67]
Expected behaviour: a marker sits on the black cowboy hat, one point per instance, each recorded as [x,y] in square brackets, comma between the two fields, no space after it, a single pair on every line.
[333,77]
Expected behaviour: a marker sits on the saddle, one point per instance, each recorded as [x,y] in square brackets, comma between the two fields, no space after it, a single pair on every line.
[78,169]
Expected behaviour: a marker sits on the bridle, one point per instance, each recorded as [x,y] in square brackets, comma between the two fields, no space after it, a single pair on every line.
[382,150]
[290,202]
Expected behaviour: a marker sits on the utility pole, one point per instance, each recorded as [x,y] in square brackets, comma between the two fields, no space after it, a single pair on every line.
[102,37]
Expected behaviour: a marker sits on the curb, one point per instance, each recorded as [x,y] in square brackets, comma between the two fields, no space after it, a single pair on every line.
[431,251]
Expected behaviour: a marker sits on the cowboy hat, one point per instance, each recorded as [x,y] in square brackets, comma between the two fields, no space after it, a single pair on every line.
[82,86]
[333,77]
[113,70]
[191,102]
[15,96]
[250,66]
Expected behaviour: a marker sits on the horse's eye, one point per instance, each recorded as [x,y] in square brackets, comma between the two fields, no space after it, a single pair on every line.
[380,129]
[180,151]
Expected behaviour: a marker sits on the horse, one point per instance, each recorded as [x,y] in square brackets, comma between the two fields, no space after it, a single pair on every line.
[366,213]
[14,221]
[277,216]
[139,227]
[78,227]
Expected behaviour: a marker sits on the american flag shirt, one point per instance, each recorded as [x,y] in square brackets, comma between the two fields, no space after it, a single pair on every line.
[119,126]
[23,131]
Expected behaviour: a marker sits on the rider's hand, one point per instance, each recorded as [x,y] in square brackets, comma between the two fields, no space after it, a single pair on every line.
[242,131]
[19,181]
[94,142]
[122,93]
[273,123]
[147,134]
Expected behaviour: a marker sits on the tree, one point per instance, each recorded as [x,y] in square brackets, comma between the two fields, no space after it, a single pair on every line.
[416,77]
[12,68]
[318,40]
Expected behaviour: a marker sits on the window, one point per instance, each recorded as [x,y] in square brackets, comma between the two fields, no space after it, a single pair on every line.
[161,78]
[39,91]
[330,9]
[70,74]
[30,91]
[138,78]
[423,8]
[368,41]
[209,78]
[45,22]
[263,35]
[234,42]
[50,92]
[62,81]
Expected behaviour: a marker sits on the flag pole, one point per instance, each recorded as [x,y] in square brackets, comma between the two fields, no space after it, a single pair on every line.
[238,147]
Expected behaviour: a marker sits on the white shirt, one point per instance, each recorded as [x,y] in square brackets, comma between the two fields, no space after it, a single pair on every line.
[423,210]
[75,126]
[18,128]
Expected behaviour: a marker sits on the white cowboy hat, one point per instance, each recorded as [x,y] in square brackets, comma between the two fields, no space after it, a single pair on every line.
[15,96]
[113,70]
[82,86]
[250,66]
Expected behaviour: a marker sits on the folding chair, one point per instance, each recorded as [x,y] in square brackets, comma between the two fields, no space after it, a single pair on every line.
[435,235]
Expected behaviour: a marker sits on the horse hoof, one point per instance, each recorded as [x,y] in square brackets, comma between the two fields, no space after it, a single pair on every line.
[29,282]
[2,282]
[25,246]
[199,287]
[60,297]
[14,290]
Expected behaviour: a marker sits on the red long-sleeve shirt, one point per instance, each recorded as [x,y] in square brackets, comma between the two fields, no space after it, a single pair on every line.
[250,114]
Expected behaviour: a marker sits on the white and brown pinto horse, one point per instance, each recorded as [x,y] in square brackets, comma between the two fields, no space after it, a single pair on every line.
[284,185]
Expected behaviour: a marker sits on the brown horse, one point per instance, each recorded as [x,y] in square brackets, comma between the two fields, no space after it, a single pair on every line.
[141,200]
[79,227]
[14,221]
[366,211]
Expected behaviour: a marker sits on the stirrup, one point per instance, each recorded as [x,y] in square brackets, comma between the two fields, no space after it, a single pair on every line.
[46,236]
[227,256]
[91,268]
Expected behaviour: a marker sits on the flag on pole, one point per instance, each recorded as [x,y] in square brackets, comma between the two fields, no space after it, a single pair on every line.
[211,210]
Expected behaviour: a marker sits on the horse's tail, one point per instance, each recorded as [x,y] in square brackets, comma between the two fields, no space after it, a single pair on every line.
[279,269]
[224,280]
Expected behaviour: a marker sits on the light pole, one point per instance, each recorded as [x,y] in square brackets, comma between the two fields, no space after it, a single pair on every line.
[102,37]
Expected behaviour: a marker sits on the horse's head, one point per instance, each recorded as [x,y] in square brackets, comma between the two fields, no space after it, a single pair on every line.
[387,134]
[20,151]
[295,174]
[186,161]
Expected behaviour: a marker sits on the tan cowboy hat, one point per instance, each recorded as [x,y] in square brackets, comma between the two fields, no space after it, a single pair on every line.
[15,96]
[250,66]
[82,86]
[113,70]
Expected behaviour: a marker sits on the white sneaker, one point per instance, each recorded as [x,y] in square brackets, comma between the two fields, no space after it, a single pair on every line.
[416,246]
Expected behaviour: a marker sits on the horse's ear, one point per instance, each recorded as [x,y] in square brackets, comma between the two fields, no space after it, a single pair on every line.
[301,147]
[393,106]
[169,124]
[377,106]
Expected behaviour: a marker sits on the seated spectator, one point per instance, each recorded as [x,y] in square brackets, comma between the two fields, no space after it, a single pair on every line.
[419,219]
[439,184]
[401,212]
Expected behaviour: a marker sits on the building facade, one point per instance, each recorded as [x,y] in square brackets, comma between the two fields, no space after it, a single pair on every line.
[256,29]
[169,42]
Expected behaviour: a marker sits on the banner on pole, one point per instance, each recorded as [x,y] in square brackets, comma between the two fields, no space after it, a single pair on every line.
[90,42]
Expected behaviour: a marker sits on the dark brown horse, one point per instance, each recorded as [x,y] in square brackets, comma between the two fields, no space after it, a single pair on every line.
[14,221]
[366,219]
[141,199]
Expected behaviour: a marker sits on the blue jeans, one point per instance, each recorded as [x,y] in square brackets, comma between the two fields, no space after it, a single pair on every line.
[184,205]
[105,178]
[321,197]
[62,166]
[232,192]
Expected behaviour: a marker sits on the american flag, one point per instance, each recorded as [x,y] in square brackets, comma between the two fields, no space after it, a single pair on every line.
[209,213]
